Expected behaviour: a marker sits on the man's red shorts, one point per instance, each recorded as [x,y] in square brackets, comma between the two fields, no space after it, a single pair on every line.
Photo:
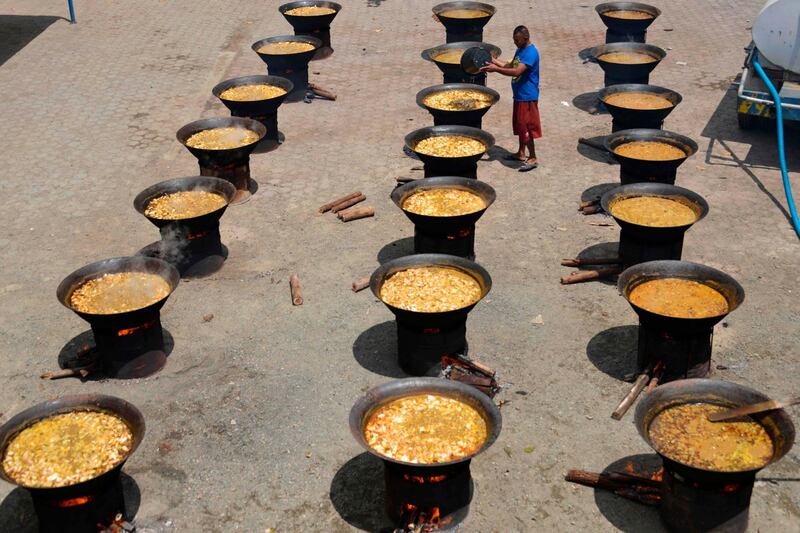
[527,123]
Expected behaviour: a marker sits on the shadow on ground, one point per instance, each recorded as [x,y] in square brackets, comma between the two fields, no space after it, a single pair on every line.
[376,350]
[17,513]
[589,102]
[504,157]
[627,515]
[723,133]
[599,250]
[396,249]
[596,152]
[16,31]
[587,55]
[81,349]
[596,191]
[358,494]
[613,352]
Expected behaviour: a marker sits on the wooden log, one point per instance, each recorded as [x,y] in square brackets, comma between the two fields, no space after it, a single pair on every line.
[465,376]
[322,92]
[589,275]
[658,373]
[629,398]
[66,373]
[591,261]
[296,290]
[588,203]
[404,179]
[354,213]
[327,207]
[591,210]
[348,203]
[635,488]
[360,284]
[609,479]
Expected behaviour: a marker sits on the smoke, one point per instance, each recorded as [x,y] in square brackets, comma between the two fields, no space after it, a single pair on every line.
[173,245]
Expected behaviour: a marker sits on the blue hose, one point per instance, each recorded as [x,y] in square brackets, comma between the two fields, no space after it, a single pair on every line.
[787,187]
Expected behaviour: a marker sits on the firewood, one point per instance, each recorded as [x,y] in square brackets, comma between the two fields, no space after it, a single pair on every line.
[296,290]
[590,275]
[355,213]
[327,207]
[348,203]
[629,398]
[322,92]
[591,261]
[360,284]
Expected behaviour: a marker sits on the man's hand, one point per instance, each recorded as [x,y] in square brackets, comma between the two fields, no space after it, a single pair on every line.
[490,67]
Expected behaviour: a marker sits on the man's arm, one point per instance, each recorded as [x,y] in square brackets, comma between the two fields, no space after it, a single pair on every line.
[506,70]
[499,63]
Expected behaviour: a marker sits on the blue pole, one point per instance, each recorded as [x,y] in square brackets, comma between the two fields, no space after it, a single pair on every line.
[787,186]
[71,12]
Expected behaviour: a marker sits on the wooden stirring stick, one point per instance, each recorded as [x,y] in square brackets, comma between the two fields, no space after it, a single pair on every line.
[759,407]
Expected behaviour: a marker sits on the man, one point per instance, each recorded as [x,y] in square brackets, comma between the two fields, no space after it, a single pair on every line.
[524,73]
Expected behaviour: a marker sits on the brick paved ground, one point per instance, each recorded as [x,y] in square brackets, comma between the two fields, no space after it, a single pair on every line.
[247,424]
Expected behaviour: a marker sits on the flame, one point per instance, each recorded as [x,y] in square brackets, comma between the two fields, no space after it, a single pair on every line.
[630,468]
[431,330]
[136,329]
[428,520]
[199,235]
[424,479]
[72,502]
[460,234]
[731,487]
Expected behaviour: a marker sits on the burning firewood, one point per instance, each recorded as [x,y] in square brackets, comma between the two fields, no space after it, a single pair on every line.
[460,368]
[656,373]
[119,525]
[632,487]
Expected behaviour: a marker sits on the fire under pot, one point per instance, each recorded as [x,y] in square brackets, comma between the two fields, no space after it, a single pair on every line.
[639,243]
[424,338]
[426,497]
[465,166]
[625,118]
[619,73]
[293,67]
[90,505]
[453,235]
[128,344]
[463,28]
[695,500]
[640,170]
[626,30]
[452,71]
[192,245]
[317,26]
[466,117]
[682,346]
[231,164]
[264,111]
